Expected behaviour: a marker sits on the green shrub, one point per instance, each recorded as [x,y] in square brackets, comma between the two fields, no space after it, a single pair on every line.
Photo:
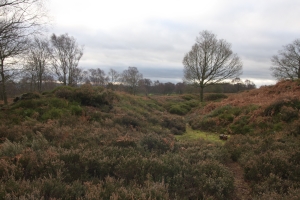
[57,103]
[76,110]
[54,113]
[30,95]
[214,97]
[128,121]
[241,126]
[178,109]
[205,124]
[188,97]
[175,124]
[155,143]
[65,92]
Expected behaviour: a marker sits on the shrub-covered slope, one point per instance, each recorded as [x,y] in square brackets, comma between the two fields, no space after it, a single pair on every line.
[93,143]
[268,110]
[264,125]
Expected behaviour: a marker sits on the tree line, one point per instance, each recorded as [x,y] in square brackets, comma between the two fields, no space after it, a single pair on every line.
[130,80]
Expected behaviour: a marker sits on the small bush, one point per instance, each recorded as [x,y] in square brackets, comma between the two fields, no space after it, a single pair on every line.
[54,113]
[179,110]
[65,92]
[215,97]
[76,110]
[156,143]
[205,124]
[128,121]
[175,124]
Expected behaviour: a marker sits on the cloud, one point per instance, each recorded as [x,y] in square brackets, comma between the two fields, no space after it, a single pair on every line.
[155,35]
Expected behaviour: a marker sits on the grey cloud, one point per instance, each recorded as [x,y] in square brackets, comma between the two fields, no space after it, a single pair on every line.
[256,30]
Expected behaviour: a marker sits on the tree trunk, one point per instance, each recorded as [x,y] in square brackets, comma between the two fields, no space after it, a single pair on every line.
[201,89]
[298,68]
[3,84]
[201,93]
[40,78]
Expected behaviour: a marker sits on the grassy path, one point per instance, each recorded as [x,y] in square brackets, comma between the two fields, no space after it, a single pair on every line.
[191,134]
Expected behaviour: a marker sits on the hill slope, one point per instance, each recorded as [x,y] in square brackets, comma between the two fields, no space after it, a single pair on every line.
[265,126]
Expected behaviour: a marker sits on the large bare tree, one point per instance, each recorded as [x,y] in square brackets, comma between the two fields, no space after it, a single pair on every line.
[210,61]
[38,62]
[19,20]
[131,77]
[66,54]
[286,65]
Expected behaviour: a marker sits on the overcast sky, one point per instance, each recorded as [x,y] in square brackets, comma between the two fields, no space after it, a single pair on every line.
[154,35]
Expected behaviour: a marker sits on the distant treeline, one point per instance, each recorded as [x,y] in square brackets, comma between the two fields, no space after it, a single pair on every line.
[23,84]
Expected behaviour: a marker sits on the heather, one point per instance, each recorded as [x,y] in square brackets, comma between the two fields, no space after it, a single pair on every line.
[94,143]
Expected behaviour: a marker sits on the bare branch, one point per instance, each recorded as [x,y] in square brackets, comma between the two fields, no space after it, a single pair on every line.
[286,65]
[210,61]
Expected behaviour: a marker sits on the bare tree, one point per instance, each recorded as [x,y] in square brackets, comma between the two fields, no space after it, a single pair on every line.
[38,62]
[286,65]
[210,61]
[238,83]
[131,77]
[66,55]
[98,77]
[19,20]
[145,85]
[113,76]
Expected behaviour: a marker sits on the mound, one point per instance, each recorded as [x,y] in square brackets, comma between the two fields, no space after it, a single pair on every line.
[266,110]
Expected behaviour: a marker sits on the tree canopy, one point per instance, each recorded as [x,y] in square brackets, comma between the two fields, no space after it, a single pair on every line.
[286,65]
[210,61]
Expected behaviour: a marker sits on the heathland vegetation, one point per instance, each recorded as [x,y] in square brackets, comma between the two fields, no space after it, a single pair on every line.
[95,143]
[77,134]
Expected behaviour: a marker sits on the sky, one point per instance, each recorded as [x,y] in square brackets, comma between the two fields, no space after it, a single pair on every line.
[154,35]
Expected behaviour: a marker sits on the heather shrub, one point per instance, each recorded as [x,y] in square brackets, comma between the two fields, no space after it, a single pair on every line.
[57,103]
[215,97]
[30,95]
[53,113]
[205,124]
[241,126]
[128,121]
[178,109]
[65,92]
[207,179]
[76,110]
[87,95]
[175,124]
[276,107]
[188,97]
[156,143]
[237,145]
[270,165]
[181,108]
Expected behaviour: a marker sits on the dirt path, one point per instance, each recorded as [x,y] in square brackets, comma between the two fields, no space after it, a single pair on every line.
[242,190]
